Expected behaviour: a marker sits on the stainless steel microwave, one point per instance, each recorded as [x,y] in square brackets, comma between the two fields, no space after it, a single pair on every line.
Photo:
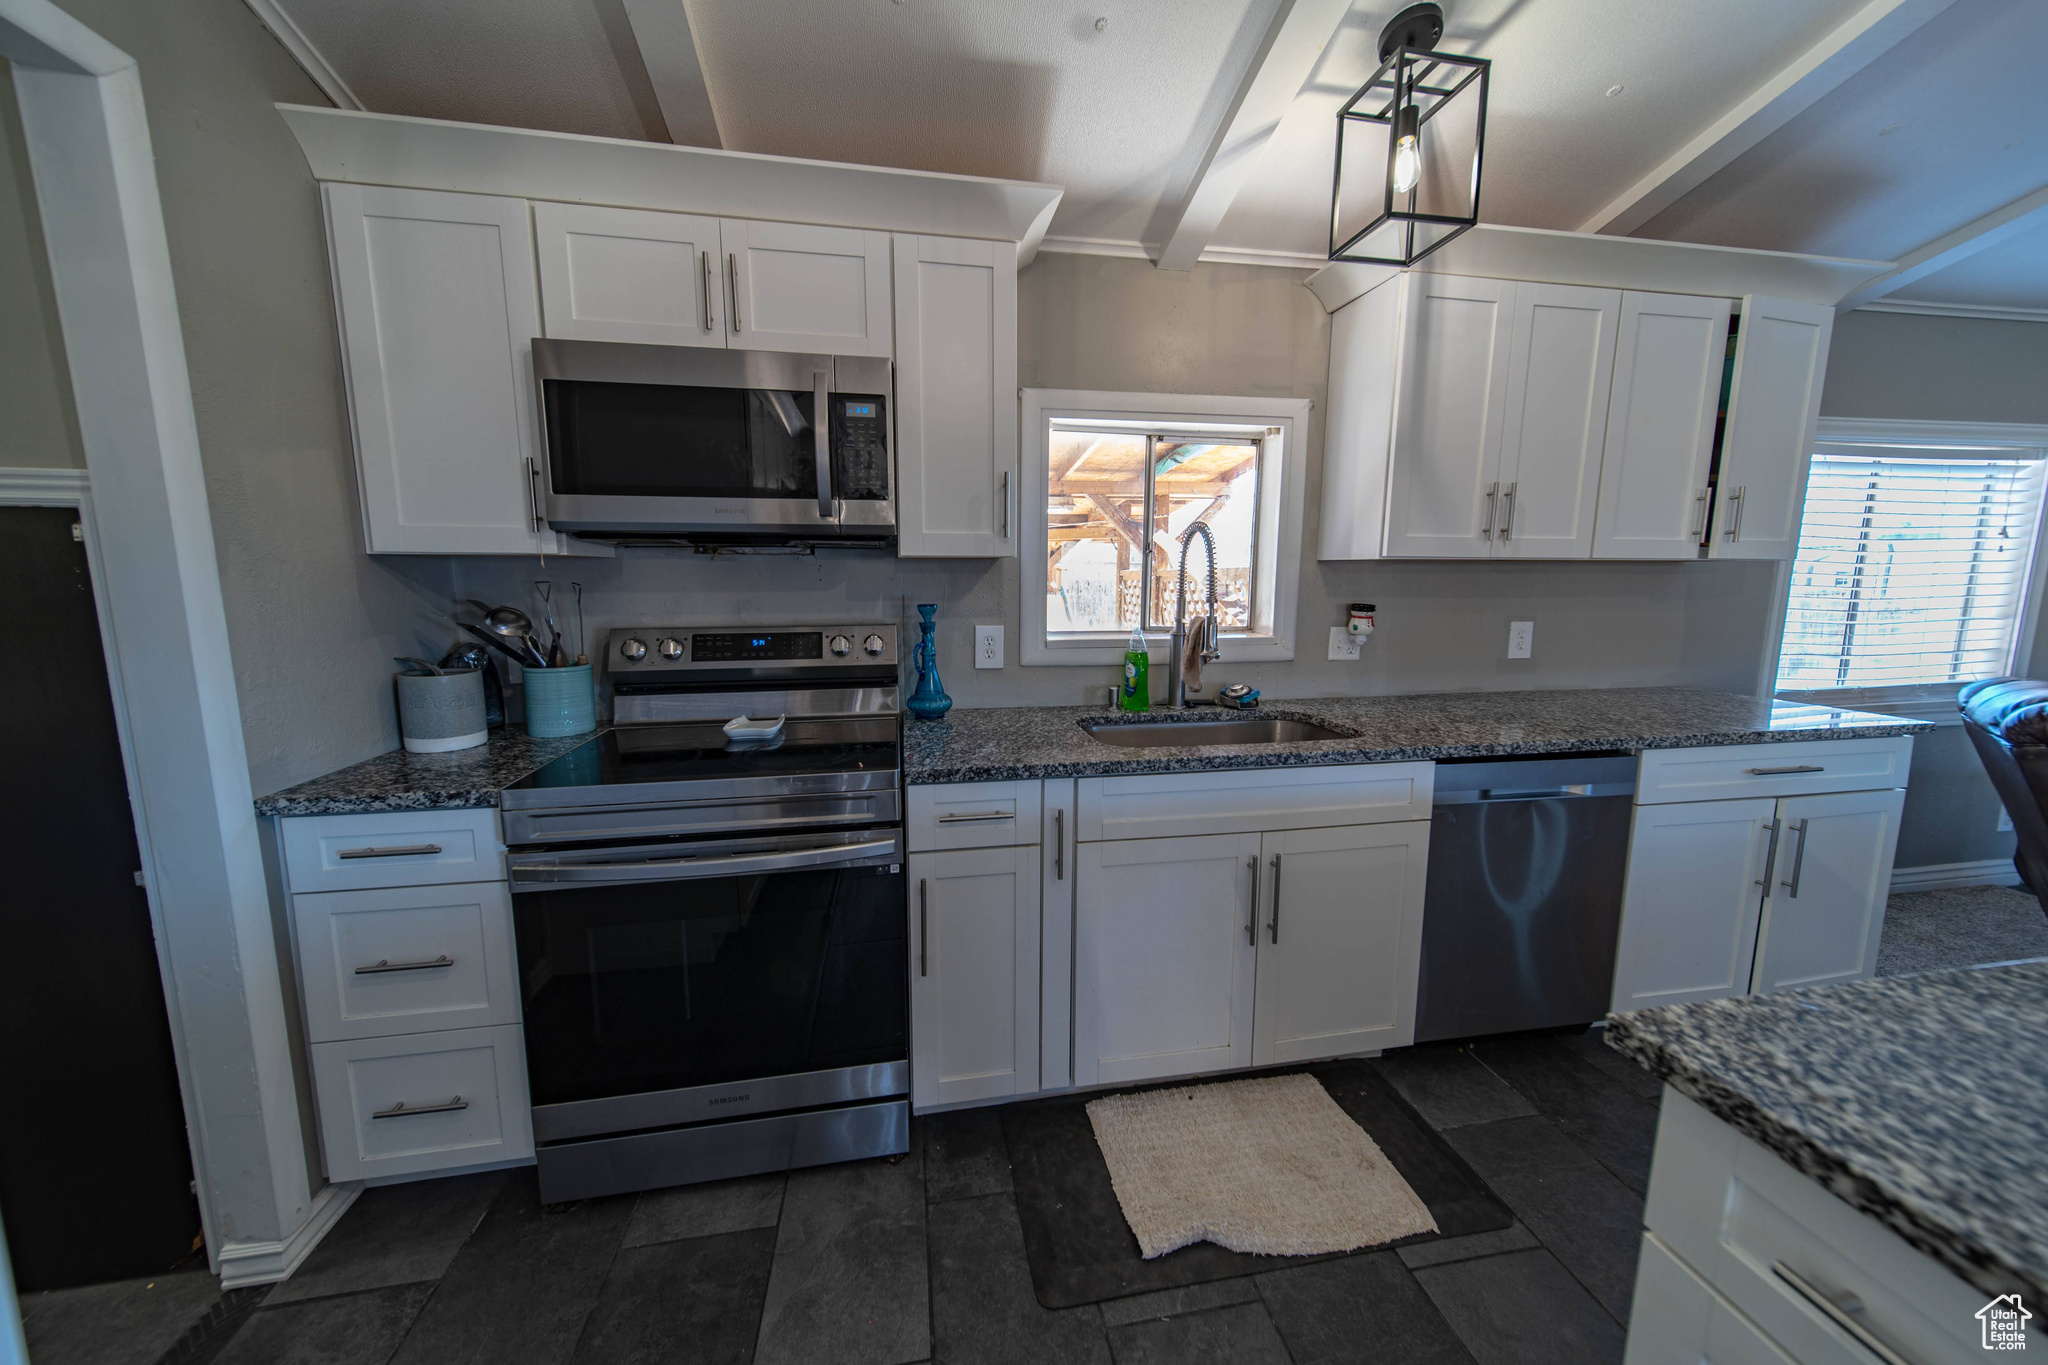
[654,443]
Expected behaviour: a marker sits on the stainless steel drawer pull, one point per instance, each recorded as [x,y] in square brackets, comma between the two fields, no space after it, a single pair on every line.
[1799,855]
[395,851]
[923,932]
[385,964]
[1275,926]
[1842,1309]
[976,817]
[1780,772]
[400,1109]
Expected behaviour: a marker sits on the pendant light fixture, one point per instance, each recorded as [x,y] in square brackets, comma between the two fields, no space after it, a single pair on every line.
[1409,147]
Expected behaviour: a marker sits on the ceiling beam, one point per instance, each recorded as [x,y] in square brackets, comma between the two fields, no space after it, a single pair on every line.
[669,51]
[2028,213]
[1859,40]
[1279,69]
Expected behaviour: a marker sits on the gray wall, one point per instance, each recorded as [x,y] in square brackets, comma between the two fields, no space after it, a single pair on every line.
[1103,323]
[38,424]
[1909,367]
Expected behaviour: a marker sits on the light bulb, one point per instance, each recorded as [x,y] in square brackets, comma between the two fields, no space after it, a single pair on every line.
[1407,165]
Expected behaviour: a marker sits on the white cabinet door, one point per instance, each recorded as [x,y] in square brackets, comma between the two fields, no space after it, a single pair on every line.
[1690,904]
[1825,911]
[438,313]
[1559,373]
[1443,491]
[1365,357]
[1660,426]
[1781,357]
[973,975]
[1340,940]
[1164,962]
[795,287]
[1056,937]
[609,274]
[956,398]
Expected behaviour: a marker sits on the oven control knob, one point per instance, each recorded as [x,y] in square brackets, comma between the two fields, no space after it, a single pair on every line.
[873,645]
[840,646]
[633,651]
[670,649]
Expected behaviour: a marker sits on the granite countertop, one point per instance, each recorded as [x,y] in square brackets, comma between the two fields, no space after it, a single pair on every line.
[405,781]
[1920,1100]
[1009,743]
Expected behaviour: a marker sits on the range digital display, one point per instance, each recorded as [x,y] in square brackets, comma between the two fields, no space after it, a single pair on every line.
[763,645]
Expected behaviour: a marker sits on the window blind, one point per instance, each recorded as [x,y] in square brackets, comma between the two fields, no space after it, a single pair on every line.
[1912,567]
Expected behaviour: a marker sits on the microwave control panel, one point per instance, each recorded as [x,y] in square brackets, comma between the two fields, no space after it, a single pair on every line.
[860,446]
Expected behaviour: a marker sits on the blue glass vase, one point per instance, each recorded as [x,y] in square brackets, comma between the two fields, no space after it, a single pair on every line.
[929,701]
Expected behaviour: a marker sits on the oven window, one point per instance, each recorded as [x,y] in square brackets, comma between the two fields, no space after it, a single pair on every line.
[679,441]
[664,985]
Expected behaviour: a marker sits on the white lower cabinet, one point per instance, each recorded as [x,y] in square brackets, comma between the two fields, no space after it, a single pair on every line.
[422,1102]
[1676,1318]
[1690,904]
[974,981]
[1825,910]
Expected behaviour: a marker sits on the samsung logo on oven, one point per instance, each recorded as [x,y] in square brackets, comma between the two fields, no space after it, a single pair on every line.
[729,1099]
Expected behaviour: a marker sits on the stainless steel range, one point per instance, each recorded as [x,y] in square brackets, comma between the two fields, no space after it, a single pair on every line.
[711,926]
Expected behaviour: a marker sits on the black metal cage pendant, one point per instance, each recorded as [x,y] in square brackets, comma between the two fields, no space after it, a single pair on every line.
[1409,148]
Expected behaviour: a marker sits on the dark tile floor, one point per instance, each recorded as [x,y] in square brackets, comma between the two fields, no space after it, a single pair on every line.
[879,1263]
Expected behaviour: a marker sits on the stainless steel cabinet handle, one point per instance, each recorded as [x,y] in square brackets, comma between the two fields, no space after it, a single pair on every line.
[1841,1309]
[1251,926]
[732,266]
[1507,522]
[526,875]
[533,491]
[1700,506]
[1770,857]
[397,851]
[976,817]
[1006,504]
[821,439]
[1492,492]
[1799,856]
[1275,926]
[1778,772]
[705,257]
[400,1109]
[923,933]
[385,964]
[1059,845]
[1735,517]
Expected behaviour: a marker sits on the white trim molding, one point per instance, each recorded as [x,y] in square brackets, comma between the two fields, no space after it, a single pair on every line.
[245,1263]
[1942,876]
[1922,308]
[1130,250]
[311,60]
[1280,535]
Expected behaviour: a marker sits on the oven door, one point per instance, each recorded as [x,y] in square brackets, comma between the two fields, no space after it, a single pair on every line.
[681,440]
[676,983]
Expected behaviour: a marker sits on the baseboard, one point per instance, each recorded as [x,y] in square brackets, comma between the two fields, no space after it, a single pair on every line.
[1941,876]
[247,1263]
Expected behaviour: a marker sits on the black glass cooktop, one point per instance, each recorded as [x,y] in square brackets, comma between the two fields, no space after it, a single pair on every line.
[700,752]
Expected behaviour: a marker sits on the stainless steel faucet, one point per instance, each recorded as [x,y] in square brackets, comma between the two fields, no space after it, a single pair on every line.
[1210,653]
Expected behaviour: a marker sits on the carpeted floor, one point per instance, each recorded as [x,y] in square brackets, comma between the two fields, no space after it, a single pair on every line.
[1926,931]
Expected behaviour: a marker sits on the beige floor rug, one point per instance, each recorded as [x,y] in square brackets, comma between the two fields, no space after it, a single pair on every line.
[1270,1166]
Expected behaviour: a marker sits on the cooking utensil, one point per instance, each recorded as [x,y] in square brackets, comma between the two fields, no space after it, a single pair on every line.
[513,624]
[499,643]
[582,653]
[421,666]
[546,588]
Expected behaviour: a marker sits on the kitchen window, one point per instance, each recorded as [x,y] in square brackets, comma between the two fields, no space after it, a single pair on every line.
[1112,484]
[1918,566]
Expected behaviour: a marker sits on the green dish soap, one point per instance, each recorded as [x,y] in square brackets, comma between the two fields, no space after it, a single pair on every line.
[1136,692]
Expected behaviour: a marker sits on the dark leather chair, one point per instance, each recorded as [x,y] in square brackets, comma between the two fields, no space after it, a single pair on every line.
[2007,719]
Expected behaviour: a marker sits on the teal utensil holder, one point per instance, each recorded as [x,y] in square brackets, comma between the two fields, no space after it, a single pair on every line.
[560,701]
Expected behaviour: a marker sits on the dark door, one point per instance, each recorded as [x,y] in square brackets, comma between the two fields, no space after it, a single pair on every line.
[95,1174]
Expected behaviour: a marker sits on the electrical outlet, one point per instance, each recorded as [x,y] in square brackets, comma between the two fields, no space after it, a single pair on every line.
[1521,638]
[988,646]
[1343,644]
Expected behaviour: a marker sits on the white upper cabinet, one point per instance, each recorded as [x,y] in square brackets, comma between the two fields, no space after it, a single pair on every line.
[1559,369]
[436,301]
[795,287]
[1660,426]
[956,398]
[1450,395]
[1781,359]
[611,274]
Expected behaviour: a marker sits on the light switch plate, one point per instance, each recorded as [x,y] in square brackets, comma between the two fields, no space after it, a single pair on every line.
[1521,638]
[1343,644]
[988,646]
[2004,819]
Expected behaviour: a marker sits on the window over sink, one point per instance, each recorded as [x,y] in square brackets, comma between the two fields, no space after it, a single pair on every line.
[1115,481]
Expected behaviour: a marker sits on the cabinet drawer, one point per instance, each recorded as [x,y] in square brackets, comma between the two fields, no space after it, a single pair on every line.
[401,960]
[1792,769]
[392,848]
[1167,805]
[427,1102]
[972,815]
[1678,1319]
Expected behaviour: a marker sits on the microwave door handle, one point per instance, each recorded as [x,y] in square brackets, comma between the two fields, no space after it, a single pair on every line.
[690,869]
[821,434]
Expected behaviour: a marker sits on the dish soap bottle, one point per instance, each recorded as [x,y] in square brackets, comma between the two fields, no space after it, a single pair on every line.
[1136,692]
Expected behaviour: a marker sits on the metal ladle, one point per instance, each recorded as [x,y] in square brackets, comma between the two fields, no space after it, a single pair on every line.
[514,625]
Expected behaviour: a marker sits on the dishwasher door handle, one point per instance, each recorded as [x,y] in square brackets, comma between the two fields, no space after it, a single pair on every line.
[1535,793]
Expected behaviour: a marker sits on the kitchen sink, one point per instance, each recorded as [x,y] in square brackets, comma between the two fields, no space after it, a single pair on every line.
[1186,734]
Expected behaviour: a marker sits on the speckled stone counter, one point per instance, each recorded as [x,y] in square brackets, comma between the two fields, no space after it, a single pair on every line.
[402,781]
[1920,1100]
[1007,743]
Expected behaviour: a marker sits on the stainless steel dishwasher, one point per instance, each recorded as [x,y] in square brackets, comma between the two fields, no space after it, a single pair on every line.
[1523,904]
